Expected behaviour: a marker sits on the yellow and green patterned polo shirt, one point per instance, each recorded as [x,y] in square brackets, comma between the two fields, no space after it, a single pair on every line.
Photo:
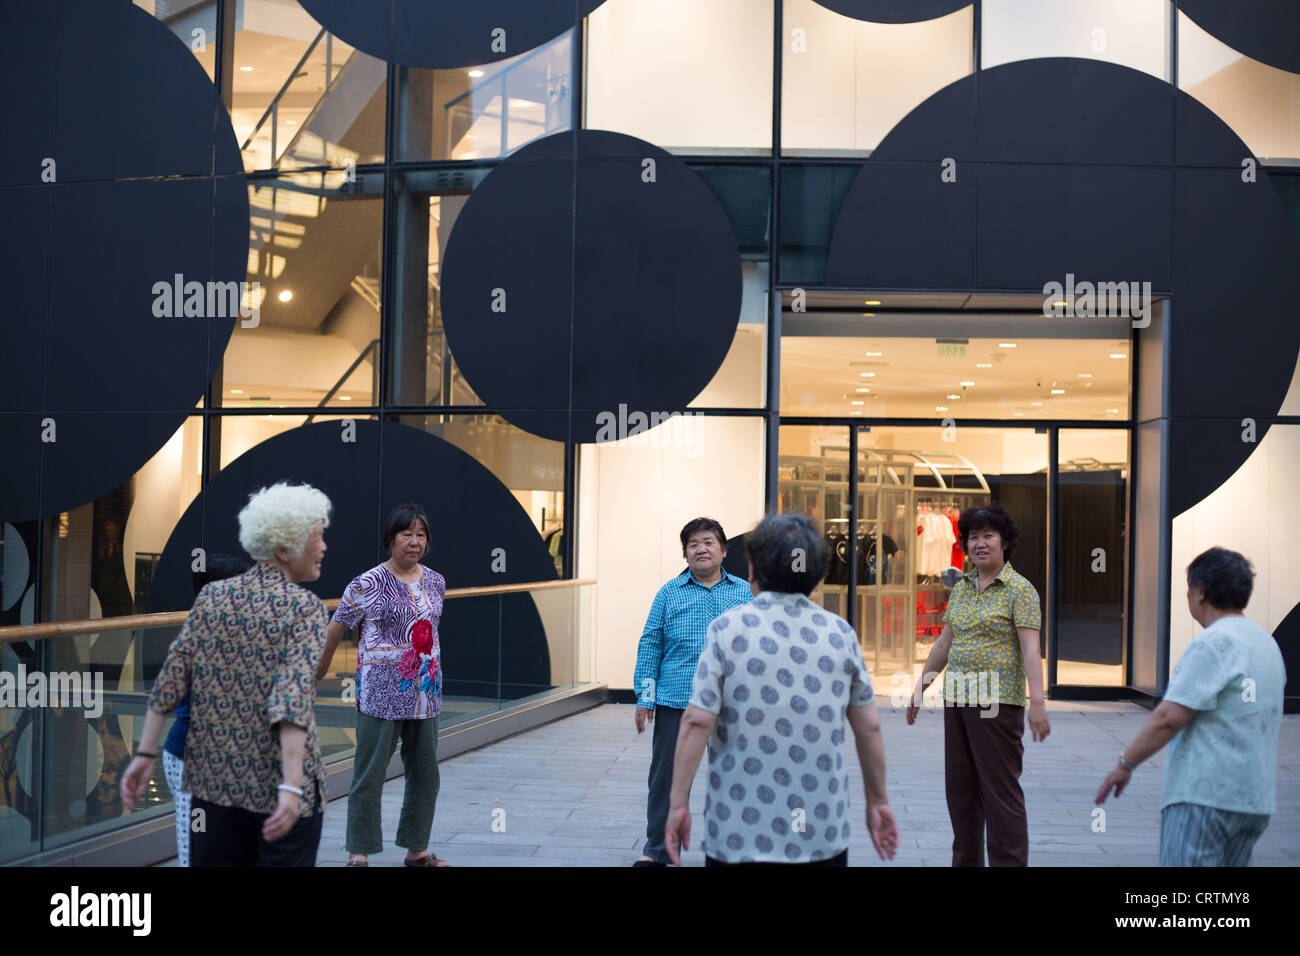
[985,660]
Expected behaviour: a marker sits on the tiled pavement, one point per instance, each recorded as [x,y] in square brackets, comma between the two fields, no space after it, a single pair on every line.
[572,793]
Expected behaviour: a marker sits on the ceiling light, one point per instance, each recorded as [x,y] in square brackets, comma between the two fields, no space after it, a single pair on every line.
[1112,411]
[941,408]
[236,391]
[983,364]
[1084,375]
[1119,355]
[286,295]
[1058,391]
[873,354]
[245,69]
[873,302]
[476,73]
[855,413]
[857,402]
[345,398]
[1006,345]
[954,397]
[867,374]
[1060,304]
[967,384]
[868,315]
[1019,414]
[291,122]
[860,390]
[1036,404]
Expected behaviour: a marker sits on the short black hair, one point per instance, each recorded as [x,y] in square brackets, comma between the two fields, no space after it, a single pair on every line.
[696,525]
[402,517]
[1226,577]
[218,567]
[994,516]
[786,554]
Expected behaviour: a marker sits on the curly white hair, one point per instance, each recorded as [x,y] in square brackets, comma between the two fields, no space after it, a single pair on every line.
[282,516]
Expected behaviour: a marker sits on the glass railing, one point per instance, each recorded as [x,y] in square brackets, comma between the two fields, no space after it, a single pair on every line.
[73,697]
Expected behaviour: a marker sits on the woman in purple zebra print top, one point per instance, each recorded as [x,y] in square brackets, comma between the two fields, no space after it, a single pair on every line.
[395,608]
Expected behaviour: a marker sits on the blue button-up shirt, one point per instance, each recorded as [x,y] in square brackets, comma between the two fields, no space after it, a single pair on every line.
[674,636]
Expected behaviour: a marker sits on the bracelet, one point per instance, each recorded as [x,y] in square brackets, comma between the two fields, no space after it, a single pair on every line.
[145,753]
[291,788]
[1130,767]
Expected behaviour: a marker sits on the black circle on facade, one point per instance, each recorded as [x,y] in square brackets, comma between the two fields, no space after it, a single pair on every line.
[1264,30]
[893,11]
[612,272]
[441,34]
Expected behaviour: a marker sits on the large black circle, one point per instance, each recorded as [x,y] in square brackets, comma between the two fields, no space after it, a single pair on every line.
[620,295]
[893,11]
[1134,211]
[440,34]
[84,338]
[1264,30]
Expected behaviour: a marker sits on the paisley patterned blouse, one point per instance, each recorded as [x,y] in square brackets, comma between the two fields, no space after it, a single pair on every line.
[399,658]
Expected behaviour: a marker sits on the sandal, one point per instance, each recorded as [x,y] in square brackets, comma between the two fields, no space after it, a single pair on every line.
[358,862]
[431,860]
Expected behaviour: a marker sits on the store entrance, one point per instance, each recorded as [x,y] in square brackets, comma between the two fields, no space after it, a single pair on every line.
[887,437]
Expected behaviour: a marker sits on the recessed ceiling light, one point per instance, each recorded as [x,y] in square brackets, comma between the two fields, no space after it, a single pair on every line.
[291,122]
[983,364]
[860,390]
[1058,391]
[1119,355]
[1059,304]
[941,408]
[857,402]
[286,295]
[476,73]
[1019,414]
[868,315]
[1006,345]
[967,384]
[867,374]
[873,354]
[873,302]
[1036,404]
[245,69]
[954,397]
[236,391]
[345,398]
[855,413]
[1112,411]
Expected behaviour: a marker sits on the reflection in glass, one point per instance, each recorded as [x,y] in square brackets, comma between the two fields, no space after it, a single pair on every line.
[193,21]
[488,111]
[1133,33]
[301,96]
[690,76]
[1261,103]
[848,82]
[314,253]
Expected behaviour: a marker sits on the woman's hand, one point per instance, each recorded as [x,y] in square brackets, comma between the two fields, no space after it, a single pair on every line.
[1039,725]
[285,816]
[135,779]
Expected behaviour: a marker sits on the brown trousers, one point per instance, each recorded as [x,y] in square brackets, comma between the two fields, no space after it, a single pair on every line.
[982,761]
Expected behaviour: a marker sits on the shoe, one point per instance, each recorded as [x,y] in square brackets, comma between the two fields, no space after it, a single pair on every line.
[646,861]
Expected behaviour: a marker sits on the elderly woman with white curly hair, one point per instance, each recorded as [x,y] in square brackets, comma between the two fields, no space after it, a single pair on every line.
[247,656]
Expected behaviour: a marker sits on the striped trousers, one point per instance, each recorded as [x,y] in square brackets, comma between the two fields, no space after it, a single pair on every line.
[1196,835]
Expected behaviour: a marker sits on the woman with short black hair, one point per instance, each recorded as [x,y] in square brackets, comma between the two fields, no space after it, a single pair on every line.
[396,607]
[990,637]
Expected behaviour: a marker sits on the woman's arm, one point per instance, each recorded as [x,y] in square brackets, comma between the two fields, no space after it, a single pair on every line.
[934,665]
[1039,725]
[333,634]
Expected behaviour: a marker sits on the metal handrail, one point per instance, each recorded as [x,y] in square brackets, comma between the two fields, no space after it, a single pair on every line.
[373,346]
[39,632]
[275,100]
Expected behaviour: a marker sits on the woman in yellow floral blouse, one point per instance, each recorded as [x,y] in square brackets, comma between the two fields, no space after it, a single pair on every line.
[990,646]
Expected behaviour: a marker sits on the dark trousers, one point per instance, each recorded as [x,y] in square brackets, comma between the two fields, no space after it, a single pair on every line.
[839,859]
[663,748]
[233,837]
[982,760]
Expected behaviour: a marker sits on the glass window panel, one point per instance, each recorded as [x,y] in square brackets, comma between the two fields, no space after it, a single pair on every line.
[314,254]
[849,82]
[1261,103]
[826,370]
[1133,33]
[689,76]
[193,21]
[1092,556]
[811,199]
[488,111]
[301,96]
